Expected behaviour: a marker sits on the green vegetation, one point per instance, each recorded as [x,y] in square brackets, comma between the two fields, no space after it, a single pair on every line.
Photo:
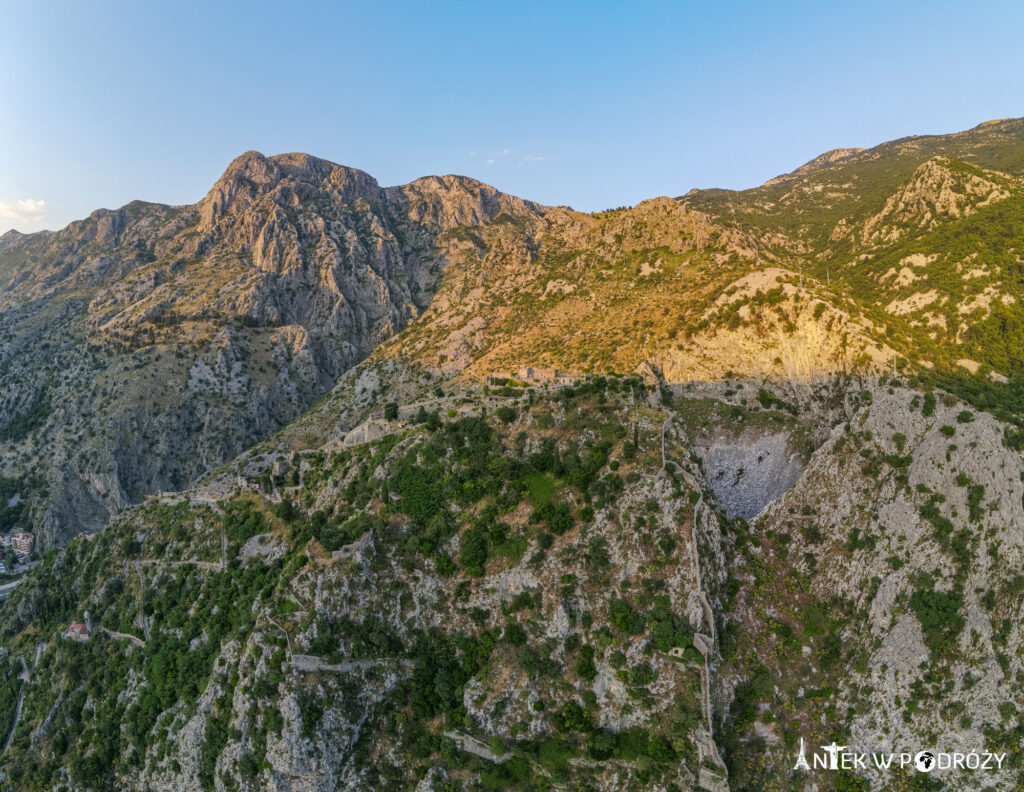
[458,501]
[22,425]
[939,614]
[9,688]
[12,513]
[492,569]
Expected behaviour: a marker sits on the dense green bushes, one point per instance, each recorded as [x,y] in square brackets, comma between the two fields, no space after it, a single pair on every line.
[9,685]
[23,424]
[11,514]
[939,614]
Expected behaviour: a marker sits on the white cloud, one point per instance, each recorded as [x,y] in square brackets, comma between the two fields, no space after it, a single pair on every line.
[24,210]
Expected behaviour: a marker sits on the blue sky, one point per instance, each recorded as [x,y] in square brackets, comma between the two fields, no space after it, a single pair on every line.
[591,104]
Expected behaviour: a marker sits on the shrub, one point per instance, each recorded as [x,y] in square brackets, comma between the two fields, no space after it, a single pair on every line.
[623,617]
[515,634]
[585,664]
[558,516]
[506,414]
[939,614]
[975,494]
[812,533]
[928,408]
[473,554]
[421,497]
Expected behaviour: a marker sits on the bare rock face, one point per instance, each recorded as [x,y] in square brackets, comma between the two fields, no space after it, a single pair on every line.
[750,471]
[143,347]
[772,323]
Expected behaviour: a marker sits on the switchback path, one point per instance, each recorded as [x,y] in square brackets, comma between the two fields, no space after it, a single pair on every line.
[287,637]
[134,639]
[17,710]
[474,746]
[311,663]
[215,566]
[17,717]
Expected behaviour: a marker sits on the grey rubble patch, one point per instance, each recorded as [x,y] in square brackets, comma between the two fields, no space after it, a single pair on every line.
[750,471]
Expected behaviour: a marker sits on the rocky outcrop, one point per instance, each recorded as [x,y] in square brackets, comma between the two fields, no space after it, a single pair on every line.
[941,187]
[143,347]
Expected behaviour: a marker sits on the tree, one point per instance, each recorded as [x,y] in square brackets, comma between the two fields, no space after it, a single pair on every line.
[391,411]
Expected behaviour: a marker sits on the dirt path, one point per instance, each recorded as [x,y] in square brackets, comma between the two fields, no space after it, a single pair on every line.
[310,663]
[17,717]
[287,637]
[474,746]
[206,501]
[215,566]
[21,700]
[171,498]
[134,639]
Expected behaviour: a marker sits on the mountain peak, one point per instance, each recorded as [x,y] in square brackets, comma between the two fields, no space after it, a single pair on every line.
[832,157]
[252,175]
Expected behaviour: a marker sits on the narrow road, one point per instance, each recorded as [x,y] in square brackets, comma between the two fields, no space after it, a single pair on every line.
[287,637]
[311,663]
[213,565]
[7,588]
[135,640]
[17,717]
[21,700]
[474,746]
[40,647]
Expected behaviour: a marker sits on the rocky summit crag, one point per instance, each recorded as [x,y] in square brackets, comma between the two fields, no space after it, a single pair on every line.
[776,493]
[141,348]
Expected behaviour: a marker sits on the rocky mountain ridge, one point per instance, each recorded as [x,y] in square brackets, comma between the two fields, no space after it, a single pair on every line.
[783,505]
[240,311]
[247,307]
